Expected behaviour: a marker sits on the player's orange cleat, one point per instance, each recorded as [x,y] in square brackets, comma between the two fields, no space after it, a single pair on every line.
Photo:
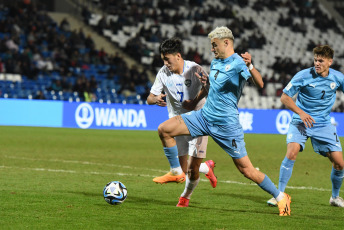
[284,205]
[210,175]
[169,177]
[183,202]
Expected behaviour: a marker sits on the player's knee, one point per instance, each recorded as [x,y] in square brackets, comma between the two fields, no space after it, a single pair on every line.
[247,172]
[193,173]
[291,155]
[339,166]
[162,131]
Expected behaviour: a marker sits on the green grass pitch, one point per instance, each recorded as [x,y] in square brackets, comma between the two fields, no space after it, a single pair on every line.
[53,178]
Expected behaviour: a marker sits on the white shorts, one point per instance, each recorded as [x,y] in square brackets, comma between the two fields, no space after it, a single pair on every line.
[196,147]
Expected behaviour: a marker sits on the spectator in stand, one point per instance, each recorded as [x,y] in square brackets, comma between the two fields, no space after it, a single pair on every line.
[56,85]
[40,96]
[93,84]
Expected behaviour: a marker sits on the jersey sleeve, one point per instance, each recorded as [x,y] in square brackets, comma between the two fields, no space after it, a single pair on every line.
[294,85]
[243,71]
[158,86]
[341,87]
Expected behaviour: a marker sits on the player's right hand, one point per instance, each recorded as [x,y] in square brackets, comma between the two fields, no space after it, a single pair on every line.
[307,119]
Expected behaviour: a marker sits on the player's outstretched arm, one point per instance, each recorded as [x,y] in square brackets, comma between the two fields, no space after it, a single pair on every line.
[156,99]
[290,104]
[256,78]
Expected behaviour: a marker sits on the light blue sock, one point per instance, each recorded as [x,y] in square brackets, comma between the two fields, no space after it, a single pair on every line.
[285,173]
[269,187]
[172,156]
[337,180]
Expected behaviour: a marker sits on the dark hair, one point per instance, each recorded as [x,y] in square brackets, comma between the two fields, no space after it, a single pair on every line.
[171,46]
[324,51]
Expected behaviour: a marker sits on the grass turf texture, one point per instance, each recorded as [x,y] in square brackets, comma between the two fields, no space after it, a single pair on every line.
[52,178]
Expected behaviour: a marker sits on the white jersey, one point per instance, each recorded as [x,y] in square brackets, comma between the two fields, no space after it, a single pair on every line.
[178,88]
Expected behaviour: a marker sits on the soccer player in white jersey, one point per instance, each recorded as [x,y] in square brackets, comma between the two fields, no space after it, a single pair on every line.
[316,88]
[219,117]
[178,81]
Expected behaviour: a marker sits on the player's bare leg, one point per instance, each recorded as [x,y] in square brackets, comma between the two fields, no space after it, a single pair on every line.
[245,166]
[169,129]
[183,161]
[286,169]
[191,181]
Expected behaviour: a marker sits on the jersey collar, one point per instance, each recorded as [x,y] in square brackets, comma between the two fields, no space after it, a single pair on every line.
[230,58]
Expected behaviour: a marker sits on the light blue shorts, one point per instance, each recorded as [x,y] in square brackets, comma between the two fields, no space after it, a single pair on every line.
[324,137]
[229,138]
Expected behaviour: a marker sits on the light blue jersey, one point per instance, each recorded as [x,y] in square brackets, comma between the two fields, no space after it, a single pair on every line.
[317,94]
[227,78]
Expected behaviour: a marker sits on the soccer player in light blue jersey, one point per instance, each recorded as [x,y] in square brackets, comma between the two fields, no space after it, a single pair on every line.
[316,88]
[219,117]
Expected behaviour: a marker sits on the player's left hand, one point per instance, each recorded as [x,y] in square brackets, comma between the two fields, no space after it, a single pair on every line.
[247,58]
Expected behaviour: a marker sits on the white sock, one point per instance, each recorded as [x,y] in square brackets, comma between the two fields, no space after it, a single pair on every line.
[190,185]
[177,171]
[203,168]
[280,196]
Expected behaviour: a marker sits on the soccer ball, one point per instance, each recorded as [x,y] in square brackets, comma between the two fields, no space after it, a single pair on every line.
[115,192]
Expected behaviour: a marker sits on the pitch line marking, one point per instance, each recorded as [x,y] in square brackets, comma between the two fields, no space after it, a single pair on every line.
[84,163]
[145,175]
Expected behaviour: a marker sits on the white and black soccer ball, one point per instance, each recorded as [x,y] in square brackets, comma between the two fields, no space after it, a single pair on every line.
[115,192]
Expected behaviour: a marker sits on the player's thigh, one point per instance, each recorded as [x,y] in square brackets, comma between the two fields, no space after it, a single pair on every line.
[198,146]
[174,126]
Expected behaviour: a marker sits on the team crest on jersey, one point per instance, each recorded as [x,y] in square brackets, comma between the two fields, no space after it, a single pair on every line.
[227,67]
[187,82]
[333,85]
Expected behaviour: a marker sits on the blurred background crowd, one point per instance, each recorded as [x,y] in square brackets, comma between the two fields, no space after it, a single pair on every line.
[57,62]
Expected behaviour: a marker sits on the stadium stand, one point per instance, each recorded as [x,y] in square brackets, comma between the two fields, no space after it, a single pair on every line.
[40,59]
[280,36]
